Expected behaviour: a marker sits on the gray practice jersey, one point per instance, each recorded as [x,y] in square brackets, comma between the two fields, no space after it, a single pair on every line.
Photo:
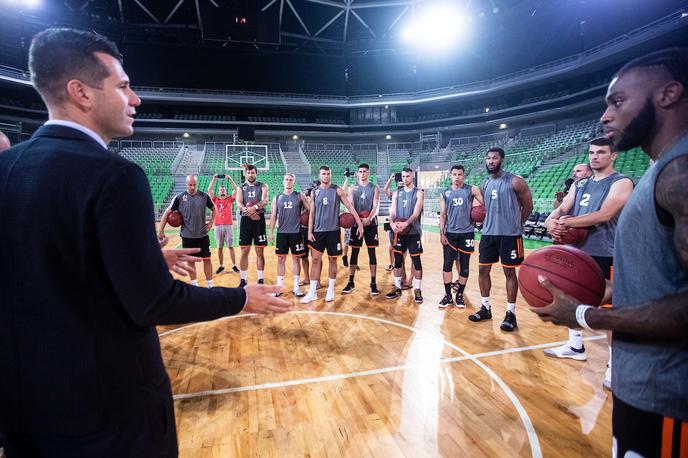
[364,197]
[406,204]
[503,207]
[252,192]
[192,209]
[458,203]
[326,208]
[590,195]
[288,211]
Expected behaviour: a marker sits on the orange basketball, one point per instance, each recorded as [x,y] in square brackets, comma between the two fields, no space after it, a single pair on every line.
[478,213]
[347,220]
[304,218]
[175,219]
[364,214]
[574,235]
[568,268]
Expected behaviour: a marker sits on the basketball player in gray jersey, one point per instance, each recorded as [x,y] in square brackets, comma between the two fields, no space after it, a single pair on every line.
[508,202]
[324,233]
[457,233]
[365,196]
[596,204]
[286,211]
[405,213]
[252,199]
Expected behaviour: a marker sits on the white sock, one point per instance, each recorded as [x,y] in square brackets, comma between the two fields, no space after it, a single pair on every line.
[610,357]
[210,284]
[511,306]
[314,286]
[194,282]
[244,274]
[330,285]
[416,283]
[260,275]
[575,339]
[280,280]
[222,265]
[296,282]
[397,282]
[485,301]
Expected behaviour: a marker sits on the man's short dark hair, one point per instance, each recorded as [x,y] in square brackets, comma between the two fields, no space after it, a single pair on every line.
[672,60]
[251,167]
[364,166]
[496,149]
[325,167]
[59,55]
[457,167]
[603,141]
[407,170]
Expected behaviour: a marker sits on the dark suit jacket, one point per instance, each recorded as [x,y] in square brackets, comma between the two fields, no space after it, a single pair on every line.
[82,286]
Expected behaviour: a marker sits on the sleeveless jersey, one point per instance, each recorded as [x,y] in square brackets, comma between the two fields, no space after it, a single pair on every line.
[326,209]
[590,196]
[364,197]
[288,211]
[252,192]
[406,203]
[458,203]
[503,207]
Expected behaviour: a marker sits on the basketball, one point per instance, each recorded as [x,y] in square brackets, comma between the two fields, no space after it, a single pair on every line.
[175,219]
[574,235]
[568,268]
[347,220]
[364,214]
[251,203]
[406,230]
[304,218]
[478,213]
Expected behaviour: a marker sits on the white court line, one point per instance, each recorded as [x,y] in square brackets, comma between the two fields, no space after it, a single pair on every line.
[527,423]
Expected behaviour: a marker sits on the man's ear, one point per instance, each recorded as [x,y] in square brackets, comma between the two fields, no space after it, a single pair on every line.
[79,94]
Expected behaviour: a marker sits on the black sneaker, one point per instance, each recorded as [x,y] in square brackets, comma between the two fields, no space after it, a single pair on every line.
[260,281]
[417,296]
[446,301]
[390,268]
[373,290]
[349,287]
[242,283]
[299,293]
[509,323]
[219,270]
[459,300]
[395,293]
[277,294]
[405,286]
[235,269]
[345,260]
[483,314]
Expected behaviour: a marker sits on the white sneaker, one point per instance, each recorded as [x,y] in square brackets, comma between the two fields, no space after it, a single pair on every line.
[309,298]
[566,351]
[329,297]
[607,383]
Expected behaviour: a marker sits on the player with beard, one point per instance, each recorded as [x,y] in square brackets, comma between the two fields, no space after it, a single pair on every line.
[508,202]
[252,224]
[647,106]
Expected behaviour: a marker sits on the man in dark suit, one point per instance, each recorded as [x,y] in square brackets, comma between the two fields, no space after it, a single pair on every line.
[82,276]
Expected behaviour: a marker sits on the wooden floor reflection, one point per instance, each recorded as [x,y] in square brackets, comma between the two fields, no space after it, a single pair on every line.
[366,376]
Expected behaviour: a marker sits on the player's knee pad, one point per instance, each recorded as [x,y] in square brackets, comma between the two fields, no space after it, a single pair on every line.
[448,263]
[464,263]
[372,256]
[354,255]
[416,262]
[398,260]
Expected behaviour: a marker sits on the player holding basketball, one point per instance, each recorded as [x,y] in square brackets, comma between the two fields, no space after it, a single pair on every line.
[324,233]
[365,196]
[457,233]
[192,204]
[223,222]
[508,203]
[252,199]
[595,203]
[286,212]
[405,212]
[647,106]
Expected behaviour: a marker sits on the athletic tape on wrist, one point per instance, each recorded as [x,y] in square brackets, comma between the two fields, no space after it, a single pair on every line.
[580,316]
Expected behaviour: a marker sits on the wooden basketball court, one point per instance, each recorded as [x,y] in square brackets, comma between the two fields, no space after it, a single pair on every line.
[366,376]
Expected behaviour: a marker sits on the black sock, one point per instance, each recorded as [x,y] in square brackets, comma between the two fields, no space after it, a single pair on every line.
[461,288]
[447,288]
[344,258]
[372,281]
[351,278]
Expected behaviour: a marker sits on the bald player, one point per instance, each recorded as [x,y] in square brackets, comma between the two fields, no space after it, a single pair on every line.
[579,172]
[192,204]
[4,142]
